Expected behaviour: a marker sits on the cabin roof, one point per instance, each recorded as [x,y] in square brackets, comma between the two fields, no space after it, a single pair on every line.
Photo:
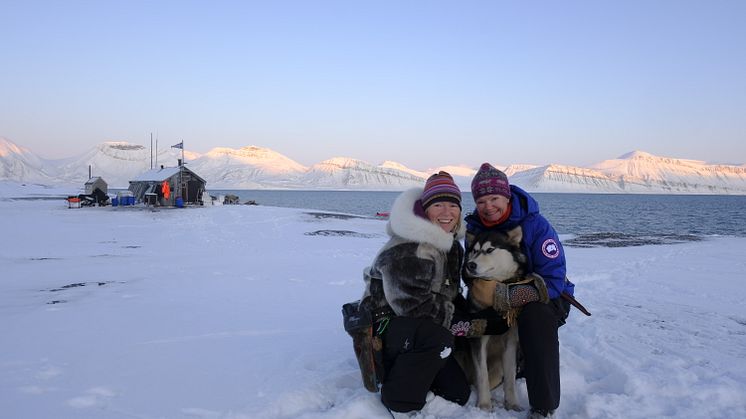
[159,175]
[94,179]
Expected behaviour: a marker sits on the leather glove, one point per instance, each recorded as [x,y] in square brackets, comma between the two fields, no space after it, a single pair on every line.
[484,322]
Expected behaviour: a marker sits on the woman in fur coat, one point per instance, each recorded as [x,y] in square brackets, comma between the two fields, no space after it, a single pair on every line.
[417,275]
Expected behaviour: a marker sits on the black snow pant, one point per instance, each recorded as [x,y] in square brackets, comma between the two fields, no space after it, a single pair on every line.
[417,359]
[537,331]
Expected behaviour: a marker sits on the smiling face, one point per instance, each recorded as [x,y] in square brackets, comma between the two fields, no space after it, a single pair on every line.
[444,214]
[492,207]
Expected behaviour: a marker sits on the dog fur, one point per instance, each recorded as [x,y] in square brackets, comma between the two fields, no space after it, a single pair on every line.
[493,256]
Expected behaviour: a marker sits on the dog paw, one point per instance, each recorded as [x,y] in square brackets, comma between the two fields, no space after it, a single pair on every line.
[487,406]
[513,406]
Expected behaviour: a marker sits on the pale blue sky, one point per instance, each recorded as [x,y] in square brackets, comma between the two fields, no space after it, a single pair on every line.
[424,83]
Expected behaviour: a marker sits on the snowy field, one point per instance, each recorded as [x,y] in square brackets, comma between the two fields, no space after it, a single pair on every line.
[234,312]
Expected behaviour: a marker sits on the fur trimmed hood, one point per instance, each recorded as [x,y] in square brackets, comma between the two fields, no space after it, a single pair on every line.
[404,223]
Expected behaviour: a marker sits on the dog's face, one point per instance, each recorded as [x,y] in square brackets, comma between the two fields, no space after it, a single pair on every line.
[496,256]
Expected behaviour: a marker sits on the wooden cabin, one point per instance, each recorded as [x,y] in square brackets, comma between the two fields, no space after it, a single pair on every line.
[96,191]
[94,183]
[168,186]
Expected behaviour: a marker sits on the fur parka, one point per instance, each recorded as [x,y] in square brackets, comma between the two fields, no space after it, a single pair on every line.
[417,272]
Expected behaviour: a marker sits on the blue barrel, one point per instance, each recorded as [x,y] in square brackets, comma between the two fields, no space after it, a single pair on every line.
[132,200]
[114,201]
[179,202]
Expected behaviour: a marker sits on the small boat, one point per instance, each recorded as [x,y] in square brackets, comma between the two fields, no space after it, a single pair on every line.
[382,214]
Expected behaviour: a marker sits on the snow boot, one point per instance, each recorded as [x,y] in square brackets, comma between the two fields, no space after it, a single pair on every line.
[540,413]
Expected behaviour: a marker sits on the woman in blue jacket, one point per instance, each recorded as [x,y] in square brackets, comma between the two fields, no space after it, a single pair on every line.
[503,207]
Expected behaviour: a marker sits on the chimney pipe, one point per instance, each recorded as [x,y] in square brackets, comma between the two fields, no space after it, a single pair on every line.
[89,171]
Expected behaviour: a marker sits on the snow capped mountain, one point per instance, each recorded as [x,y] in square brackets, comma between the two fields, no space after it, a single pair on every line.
[517,168]
[254,167]
[388,164]
[557,178]
[636,172]
[643,172]
[462,175]
[117,162]
[249,167]
[455,171]
[347,173]
[271,162]
[20,164]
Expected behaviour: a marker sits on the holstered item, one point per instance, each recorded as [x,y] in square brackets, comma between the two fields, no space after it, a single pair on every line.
[358,323]
[575,303]
[362,342]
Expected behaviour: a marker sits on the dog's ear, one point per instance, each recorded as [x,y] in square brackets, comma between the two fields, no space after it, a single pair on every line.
[515,236]
[470,240]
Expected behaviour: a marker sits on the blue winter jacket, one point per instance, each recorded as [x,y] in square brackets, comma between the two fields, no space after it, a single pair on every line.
[541,244]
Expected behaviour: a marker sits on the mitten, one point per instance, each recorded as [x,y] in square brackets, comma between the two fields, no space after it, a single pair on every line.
[485,322]
[509,296]
[501,302]
[541,287]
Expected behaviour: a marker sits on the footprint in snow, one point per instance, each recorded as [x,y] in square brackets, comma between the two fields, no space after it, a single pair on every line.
[94,397]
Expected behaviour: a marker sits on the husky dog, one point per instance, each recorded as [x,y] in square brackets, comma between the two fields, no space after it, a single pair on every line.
[494,256]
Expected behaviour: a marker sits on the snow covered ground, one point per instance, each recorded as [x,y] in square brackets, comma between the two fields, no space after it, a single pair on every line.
[234,312]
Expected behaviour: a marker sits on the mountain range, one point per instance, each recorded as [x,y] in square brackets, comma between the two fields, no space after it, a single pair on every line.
[254,167]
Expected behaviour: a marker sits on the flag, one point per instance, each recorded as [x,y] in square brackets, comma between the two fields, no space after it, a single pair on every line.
[180,145]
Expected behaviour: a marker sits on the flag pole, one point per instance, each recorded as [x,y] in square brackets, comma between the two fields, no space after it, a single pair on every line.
[181,167]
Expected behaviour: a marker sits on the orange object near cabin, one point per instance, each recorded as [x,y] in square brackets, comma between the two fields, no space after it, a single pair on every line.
[166,188]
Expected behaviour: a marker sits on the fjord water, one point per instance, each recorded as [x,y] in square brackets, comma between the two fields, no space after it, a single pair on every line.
[602,216]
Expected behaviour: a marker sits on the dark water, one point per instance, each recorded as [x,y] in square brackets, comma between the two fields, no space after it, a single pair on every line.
[590,219]
[623,220]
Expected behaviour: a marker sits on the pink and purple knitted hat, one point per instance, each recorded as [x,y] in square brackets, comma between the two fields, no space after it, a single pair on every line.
[490,181]
[438,188]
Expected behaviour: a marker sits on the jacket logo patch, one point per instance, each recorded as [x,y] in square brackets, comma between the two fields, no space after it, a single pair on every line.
[550,249]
